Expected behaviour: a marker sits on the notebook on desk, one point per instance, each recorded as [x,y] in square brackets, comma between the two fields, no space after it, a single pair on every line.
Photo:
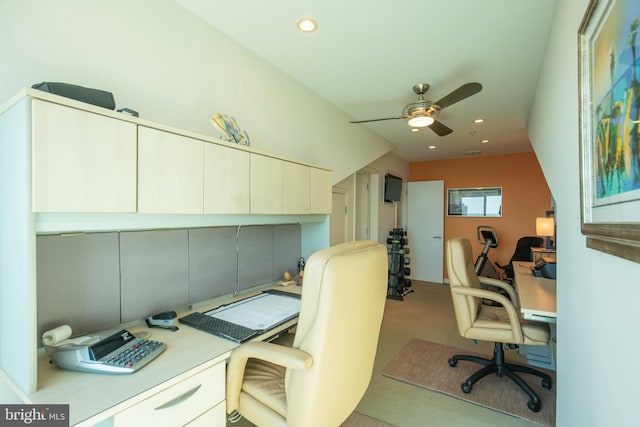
[241,320]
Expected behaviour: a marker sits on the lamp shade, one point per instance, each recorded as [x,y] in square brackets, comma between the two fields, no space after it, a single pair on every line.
[420,121]
[544,226]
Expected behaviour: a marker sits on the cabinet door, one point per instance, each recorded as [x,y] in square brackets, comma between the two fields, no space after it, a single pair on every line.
[170,172]
[82,162]
[297,199]
[226,180]
[320,190]
[267,185]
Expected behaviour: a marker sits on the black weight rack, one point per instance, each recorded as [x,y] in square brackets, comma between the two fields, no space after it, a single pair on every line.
[399,284]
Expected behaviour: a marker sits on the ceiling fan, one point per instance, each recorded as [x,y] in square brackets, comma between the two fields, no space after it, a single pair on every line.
[423,113]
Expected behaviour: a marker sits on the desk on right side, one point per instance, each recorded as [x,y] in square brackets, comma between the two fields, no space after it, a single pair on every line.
[537,297]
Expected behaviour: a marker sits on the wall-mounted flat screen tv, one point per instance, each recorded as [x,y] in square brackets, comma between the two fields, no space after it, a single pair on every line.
[392,188]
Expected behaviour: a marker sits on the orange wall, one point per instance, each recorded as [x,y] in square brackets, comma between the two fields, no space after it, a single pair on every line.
[525,196]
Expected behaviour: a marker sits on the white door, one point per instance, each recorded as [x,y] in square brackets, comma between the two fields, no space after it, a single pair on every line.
[363,217]
[425,229]
[338,220]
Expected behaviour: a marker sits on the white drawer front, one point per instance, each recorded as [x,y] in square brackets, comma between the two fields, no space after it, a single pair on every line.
[178,404]
[214,417]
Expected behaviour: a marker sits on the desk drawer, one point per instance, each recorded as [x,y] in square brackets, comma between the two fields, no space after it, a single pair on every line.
[178,404]
[214,417]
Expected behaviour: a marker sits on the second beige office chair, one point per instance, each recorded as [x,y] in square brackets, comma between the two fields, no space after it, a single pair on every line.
[501,325]
[322,377]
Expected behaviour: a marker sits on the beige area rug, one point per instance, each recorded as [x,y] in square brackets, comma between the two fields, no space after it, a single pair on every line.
[425,364]
[356,419]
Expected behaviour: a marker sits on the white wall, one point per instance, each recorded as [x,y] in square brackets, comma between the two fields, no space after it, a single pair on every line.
[598,294]
[159,59]
[390,215]
[387,216]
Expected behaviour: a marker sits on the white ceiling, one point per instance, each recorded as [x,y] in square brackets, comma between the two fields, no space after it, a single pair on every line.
[366,56]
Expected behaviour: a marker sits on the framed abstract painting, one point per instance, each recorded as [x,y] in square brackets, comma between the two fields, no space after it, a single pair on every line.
[609,87]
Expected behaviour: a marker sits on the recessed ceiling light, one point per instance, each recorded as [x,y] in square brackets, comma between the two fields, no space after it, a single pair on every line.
[307,25]
[484,141]
[415,129]
[478,121]
[432,147]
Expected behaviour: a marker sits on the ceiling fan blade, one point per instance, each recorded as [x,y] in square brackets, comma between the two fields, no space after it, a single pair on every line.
[459,94]
[440,129]
[377,120]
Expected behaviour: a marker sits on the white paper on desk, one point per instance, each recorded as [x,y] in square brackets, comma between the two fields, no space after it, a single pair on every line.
[259,312]
[60,336]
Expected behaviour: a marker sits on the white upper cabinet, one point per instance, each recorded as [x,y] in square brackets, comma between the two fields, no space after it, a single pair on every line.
[226,180]
[297,178]
[320,191]
[283,187]
[93,161]
[267,185]
[82,162]
[170,172]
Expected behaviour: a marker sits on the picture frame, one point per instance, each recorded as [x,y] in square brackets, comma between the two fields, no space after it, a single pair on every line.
[609,116]
[474,202]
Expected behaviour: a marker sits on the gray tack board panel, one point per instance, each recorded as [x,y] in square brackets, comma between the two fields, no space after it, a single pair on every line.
[78,282]
[255,255]
[95,281]
[213,262]
[265,252]
[287,248]
[154,272]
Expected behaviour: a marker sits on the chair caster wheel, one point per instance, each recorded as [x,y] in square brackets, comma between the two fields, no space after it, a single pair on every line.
[534,406]
[465,388]
[453,363]
[546,383]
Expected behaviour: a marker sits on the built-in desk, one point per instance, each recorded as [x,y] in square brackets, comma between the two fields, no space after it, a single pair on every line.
[193,360]
[537,297]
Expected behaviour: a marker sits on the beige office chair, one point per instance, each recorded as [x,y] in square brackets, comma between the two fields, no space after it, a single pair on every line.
[320,380]
[490,323]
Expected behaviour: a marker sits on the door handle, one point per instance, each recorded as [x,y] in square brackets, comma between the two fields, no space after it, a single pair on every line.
[437,237]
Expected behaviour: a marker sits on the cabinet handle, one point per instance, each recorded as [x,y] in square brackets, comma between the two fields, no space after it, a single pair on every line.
[184,396]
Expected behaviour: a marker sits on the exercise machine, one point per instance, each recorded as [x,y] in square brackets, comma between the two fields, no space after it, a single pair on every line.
[399,284]
[489,239]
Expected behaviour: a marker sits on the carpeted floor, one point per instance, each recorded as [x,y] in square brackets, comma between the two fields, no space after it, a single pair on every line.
[425,364]
[356,419]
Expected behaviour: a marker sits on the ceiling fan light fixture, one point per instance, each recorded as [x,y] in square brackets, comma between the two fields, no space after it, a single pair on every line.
[420,121]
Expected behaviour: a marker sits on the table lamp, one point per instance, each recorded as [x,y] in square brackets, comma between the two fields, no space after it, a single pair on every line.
[545,228]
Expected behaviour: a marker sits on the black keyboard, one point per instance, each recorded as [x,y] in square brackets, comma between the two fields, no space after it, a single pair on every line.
[218,327]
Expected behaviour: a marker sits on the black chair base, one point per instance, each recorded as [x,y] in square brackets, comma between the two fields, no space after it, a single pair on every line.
[498,366]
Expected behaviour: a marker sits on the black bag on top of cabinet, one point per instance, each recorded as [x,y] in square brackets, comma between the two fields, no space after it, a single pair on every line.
[97,97]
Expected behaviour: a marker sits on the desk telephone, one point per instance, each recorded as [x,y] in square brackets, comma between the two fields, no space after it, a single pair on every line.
[109,352]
